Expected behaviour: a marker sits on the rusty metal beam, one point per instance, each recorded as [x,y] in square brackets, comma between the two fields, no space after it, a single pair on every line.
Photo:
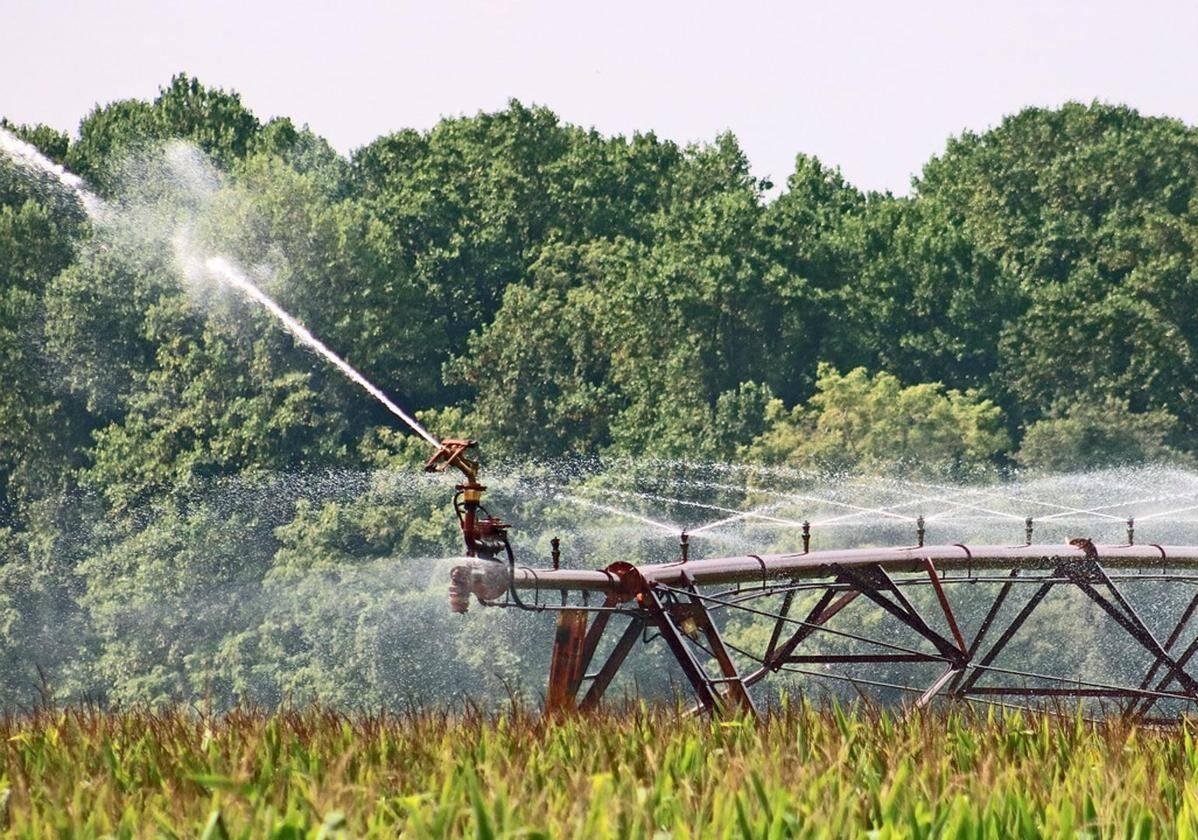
[565,664]
[815,564]
[944,604]
[602,679]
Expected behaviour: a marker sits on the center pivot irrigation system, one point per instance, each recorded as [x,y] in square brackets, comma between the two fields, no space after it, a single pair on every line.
[950,611]
[689,603]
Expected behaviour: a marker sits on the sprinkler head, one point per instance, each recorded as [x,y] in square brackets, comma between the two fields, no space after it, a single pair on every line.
[453,453]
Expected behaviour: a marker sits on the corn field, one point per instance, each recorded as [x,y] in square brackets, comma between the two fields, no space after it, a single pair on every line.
[640,772]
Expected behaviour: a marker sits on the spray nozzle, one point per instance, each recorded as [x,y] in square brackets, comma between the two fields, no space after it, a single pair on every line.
[453,453]
[485,535]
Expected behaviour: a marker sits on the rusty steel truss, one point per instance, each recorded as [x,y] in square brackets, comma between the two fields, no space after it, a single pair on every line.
[921,589]
[950,612]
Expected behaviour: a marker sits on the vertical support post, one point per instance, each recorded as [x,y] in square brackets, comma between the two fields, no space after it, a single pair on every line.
[734,685]
[589,645]
[565,666]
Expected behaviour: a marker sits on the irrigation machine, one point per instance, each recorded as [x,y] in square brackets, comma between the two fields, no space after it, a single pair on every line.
[952,610]
[924,590]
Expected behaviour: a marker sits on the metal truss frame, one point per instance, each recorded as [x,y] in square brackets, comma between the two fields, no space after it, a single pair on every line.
[686,618]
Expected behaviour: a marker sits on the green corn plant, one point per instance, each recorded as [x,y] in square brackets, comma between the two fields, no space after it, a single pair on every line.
[638,772]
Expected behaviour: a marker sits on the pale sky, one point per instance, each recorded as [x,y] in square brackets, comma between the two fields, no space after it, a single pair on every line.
[872,87]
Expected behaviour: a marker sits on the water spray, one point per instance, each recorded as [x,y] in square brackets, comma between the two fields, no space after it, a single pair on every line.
[28,156]
[226,272]
[484,535]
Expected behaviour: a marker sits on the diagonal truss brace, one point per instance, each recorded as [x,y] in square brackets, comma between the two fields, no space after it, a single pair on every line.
[1088,576]
[681,623]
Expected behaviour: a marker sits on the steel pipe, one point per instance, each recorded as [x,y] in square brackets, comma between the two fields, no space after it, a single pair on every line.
[816,564]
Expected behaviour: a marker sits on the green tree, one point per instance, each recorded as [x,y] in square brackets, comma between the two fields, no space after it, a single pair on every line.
[1099,433]
[863,422]
[463,211]
[213,119]
[39,428]
[170,598]
[542,367]
[632,345]
[1086,214]
[815,231]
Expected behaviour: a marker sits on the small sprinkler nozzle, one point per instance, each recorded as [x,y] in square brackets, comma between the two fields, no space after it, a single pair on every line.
[1131,530]
[806,536]
[1027,531]
[919,530]
[556,553]
[684,545]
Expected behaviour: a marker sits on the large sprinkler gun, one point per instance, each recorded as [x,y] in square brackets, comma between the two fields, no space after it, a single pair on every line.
[485,535]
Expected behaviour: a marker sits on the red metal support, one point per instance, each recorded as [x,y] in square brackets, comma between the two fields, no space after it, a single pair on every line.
[688,617]
[566,665]
[680,623]
[876,585]
[602,679]
[934,577]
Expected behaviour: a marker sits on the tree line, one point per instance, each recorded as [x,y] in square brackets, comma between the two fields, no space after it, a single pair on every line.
[553,292]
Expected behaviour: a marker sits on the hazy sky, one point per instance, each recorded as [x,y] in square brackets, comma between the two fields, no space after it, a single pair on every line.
[872,87]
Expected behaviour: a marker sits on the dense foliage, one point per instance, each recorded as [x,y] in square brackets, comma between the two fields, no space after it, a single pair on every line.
[553,292]
[809,773]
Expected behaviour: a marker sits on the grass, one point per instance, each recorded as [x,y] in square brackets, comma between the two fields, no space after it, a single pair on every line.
[643,772]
